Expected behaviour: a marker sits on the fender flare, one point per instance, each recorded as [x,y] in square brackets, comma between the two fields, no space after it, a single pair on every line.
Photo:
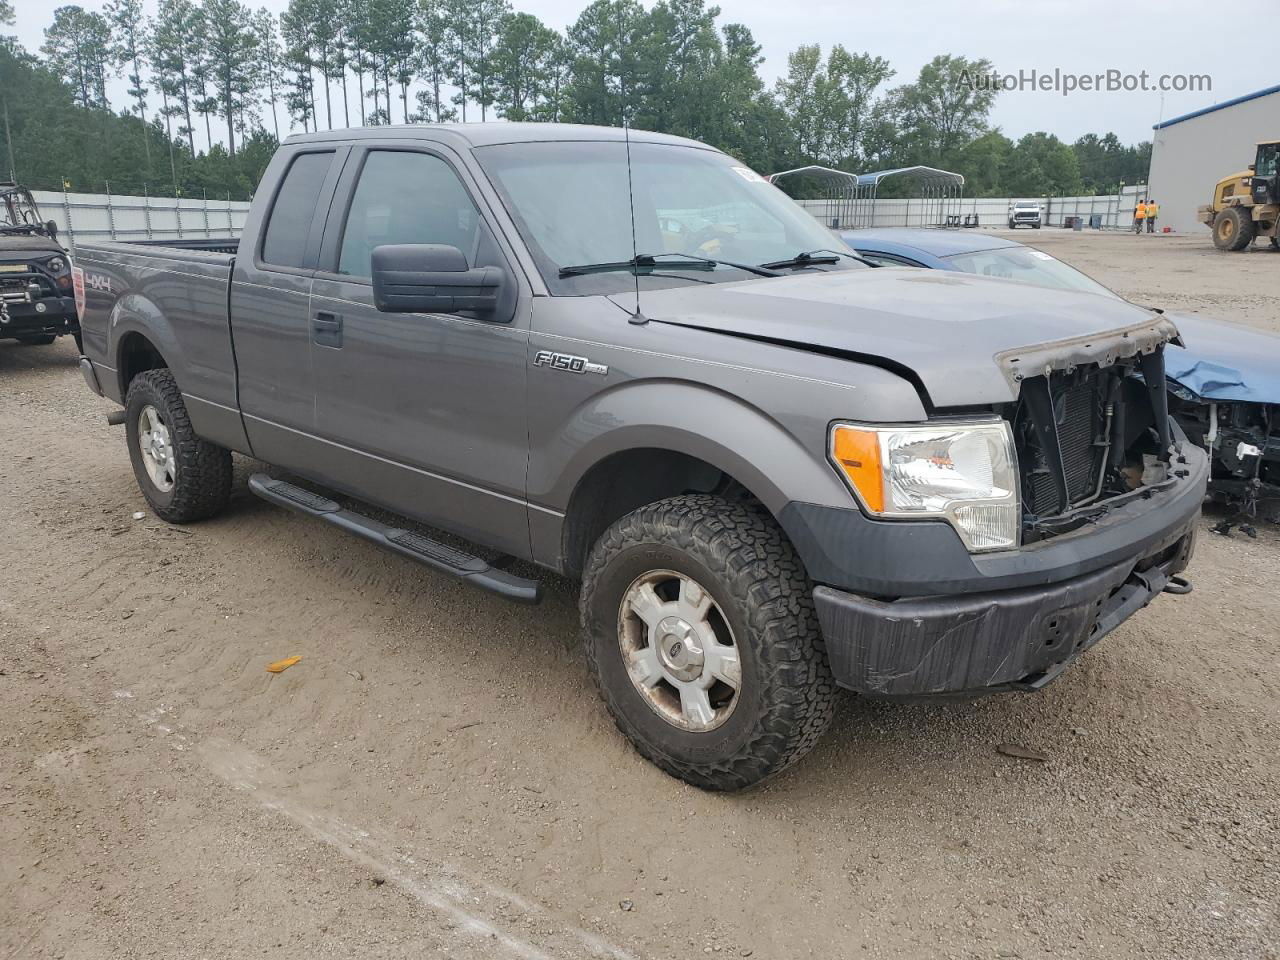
[699,421]
[134,313]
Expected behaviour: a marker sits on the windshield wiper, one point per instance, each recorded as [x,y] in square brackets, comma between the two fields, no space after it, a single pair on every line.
[760,269]
[642,262]
[809,258]
[649,261]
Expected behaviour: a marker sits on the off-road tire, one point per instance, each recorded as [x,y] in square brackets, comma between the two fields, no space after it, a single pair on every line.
[202,478]
[744,560]
[41,341]
[1233,229]
[1012,225]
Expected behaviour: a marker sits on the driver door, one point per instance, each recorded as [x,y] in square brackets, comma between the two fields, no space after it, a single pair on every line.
[422,413]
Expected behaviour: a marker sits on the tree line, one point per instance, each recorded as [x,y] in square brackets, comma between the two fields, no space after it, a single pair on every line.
[212,86]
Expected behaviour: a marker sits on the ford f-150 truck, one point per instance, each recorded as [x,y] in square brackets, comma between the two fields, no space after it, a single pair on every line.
[632,361]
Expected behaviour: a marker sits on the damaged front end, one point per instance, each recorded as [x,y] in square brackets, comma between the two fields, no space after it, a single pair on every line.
[1110,493]
[1091,426]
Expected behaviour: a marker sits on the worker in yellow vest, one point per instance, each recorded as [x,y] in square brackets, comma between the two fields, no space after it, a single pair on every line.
[1139,216]
[1153,211]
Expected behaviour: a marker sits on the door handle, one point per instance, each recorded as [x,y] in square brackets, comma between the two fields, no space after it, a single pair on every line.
[326,329]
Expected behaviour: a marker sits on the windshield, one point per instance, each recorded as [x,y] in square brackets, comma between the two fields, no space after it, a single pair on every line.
[571,204]
[18,210]
[1268,160]
[1029,266]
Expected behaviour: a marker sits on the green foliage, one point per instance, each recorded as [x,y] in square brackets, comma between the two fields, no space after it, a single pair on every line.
[78,48]
[1106,163]
[1040,164]
[829,105]
[53,138]
[525,65]
[671,67]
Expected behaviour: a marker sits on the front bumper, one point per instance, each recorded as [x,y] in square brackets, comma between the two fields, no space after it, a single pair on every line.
[908,612]
[25,319]
[987,642]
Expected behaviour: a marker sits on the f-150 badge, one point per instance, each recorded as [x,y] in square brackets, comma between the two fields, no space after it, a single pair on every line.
[566,361]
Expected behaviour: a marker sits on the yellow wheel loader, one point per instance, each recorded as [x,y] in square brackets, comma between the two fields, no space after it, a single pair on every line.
[1246,205]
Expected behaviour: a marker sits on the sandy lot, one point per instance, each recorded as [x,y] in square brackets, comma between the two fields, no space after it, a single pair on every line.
[436,777]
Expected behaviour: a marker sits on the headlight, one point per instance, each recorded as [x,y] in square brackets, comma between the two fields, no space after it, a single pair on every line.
[57,265]
[965,473]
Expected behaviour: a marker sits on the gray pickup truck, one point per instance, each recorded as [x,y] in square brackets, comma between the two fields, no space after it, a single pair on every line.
[776,470]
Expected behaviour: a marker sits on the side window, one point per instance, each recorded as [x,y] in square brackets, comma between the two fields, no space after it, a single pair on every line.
[285,242]
[406,197]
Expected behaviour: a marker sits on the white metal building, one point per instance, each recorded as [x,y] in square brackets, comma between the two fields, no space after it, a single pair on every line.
[1191,153]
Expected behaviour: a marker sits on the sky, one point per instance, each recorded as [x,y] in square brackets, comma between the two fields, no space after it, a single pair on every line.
[1080,37]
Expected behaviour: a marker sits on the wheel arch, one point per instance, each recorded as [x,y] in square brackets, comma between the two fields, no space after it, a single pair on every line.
[136,354]
[666,441]
[142,339]
[629,479]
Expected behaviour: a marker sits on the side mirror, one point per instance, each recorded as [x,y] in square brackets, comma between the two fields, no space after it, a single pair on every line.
[432,278]
[51,228]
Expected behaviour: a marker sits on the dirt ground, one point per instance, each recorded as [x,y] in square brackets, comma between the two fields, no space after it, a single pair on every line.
[436,777]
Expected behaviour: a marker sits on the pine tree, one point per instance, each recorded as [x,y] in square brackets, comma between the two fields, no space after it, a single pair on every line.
[78,48]
[523,64]
[125,17]
[431,62]
[297,55]
[231,49]
[267,68]
[170,44]
[353,46]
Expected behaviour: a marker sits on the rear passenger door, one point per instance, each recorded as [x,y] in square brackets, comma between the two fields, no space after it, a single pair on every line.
[270,305]
[422,413]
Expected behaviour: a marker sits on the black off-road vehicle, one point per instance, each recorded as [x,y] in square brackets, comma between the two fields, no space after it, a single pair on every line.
[37,304]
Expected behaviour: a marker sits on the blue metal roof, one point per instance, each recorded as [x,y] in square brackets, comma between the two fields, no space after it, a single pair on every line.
[1217,106]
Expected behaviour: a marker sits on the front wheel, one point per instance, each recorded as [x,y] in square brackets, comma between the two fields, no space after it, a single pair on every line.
[1233,229]
[699,626]
[183,477]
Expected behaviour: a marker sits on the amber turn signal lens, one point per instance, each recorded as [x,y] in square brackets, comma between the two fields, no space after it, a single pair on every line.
[858,454]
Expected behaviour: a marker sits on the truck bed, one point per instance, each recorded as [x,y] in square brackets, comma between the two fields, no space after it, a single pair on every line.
[175,294]
[207,245]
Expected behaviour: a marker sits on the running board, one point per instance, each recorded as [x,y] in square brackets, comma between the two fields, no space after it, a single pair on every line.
[408,543]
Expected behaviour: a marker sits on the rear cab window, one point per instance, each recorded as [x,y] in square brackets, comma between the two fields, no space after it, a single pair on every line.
[285,240]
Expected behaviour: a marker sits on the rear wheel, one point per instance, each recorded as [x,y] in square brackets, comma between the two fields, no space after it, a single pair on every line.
[699,626]
[183,477]
[1233,229]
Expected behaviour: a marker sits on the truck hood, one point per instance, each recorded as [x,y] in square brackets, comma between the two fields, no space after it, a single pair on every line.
[966,340]
[18,246]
